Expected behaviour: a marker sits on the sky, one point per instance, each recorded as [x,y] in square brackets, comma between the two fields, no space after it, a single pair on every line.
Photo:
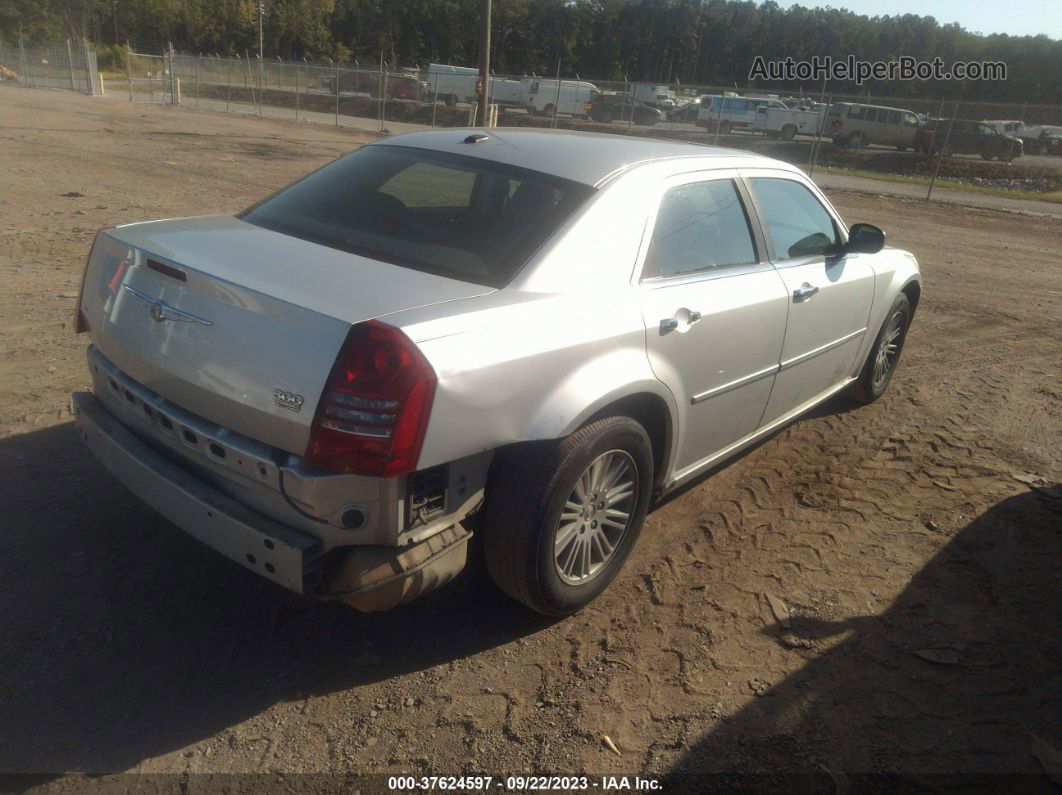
[1016,17]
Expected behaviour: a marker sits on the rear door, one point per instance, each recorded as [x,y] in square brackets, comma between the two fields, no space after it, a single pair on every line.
[828,297]
[714,312]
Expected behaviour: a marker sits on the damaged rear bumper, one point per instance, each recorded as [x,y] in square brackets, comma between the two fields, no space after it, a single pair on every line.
[369,578]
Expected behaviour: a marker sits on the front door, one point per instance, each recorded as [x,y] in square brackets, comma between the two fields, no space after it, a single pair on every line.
[829,297]
[715,313]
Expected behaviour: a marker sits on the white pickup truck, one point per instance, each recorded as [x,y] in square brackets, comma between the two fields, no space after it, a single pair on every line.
[785,123]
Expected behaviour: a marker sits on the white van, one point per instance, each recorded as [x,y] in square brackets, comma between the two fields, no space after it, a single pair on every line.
[732,112]
[453,84]
[504,91]
[568,96]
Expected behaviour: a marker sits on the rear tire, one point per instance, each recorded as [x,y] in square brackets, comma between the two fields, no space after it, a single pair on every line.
[884,356]
[536,527]
[788,132]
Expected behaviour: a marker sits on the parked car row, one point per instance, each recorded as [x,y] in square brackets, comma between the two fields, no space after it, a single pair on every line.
[856,125]
[606,108]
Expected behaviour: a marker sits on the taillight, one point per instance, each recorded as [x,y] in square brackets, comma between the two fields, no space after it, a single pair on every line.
[80,323]
[375,407]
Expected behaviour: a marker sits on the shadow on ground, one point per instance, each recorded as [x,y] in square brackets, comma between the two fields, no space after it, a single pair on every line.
[965,664]
[122,639]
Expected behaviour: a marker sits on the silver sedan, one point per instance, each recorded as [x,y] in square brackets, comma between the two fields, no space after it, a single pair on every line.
[524,336]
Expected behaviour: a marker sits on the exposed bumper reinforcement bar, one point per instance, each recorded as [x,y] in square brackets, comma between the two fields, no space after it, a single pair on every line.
[277,552]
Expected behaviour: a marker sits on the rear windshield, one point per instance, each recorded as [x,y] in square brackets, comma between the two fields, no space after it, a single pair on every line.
[449,215]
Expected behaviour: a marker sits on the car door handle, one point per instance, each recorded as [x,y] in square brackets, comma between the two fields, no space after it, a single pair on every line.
[672,323]
[804,292]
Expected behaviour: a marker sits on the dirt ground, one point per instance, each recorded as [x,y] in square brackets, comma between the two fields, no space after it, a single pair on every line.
[874,591]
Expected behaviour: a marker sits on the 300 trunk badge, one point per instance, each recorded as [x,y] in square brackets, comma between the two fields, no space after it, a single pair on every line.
[288,400]
[160,310]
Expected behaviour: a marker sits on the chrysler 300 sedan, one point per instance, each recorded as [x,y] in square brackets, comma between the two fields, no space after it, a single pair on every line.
[529,335]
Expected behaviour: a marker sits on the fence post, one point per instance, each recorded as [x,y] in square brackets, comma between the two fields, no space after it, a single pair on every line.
[940,154]
[197,81]
[296,92]
[556,105]
[628,99]
[70,64]
[128,70]
[816,145]
[228,83]
[435,101]
[22,59]
[336,65]
[168,62]
[92,74]
[383,90]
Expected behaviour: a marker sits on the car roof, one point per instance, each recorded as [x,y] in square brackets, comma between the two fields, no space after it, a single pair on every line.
[589,158]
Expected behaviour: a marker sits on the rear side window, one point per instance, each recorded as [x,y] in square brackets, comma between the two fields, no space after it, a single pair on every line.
[872,114]
[798,224]
[699,227]
[449,215]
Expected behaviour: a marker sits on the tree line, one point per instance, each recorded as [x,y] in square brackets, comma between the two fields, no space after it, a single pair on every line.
[694,42]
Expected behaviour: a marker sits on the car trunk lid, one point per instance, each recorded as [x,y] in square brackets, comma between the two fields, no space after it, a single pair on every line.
[236,323]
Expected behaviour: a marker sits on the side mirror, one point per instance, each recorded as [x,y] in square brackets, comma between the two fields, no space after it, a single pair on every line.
[865,239]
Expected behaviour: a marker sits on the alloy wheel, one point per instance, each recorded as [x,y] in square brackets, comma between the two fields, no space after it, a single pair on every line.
[595,517]
[888,349]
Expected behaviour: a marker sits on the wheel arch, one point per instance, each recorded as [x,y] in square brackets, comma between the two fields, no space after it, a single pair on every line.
[651,412]
[913,291]
[644,399]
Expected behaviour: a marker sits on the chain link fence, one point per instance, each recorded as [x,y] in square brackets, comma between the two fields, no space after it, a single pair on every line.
[1008,149]
[64,66]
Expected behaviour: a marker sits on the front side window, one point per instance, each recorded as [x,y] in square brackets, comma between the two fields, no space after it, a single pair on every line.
[894,117]
[449,215]
[699,227]
[856,111]
[798,224]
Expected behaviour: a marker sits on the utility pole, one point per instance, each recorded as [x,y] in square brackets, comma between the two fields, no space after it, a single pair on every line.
[261,55]
[484,65]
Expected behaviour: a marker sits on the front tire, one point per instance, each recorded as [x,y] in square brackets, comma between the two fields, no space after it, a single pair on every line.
[884,357]
[561,517]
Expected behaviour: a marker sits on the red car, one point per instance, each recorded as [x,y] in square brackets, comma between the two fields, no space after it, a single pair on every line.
[399,86]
